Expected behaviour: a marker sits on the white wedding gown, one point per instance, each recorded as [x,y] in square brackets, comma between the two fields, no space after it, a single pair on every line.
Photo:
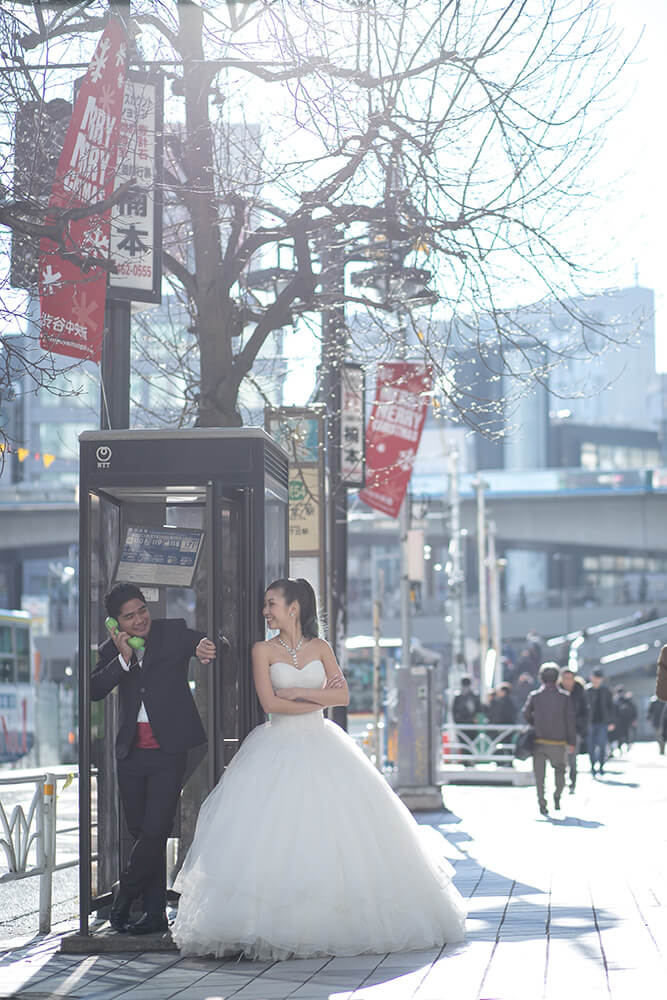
[303,850]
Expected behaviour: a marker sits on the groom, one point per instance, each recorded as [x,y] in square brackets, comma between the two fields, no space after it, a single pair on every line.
[158,724]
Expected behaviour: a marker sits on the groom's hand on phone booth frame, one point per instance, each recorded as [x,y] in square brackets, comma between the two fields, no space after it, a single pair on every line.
[205,651]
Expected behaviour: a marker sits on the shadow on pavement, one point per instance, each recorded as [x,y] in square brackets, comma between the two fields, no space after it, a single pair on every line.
[586,824]
[604,780]
[103,977]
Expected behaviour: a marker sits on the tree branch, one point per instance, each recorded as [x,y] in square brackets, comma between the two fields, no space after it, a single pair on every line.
[180,271]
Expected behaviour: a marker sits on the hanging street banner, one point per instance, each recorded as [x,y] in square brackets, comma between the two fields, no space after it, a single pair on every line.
[393,433]
[136,220]
[72,296]
[352,422]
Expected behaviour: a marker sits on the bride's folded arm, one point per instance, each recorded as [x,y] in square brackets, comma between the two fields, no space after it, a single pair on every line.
[335,691]
[268,699]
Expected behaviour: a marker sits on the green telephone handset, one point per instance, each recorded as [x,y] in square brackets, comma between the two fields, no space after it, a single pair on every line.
[134,642]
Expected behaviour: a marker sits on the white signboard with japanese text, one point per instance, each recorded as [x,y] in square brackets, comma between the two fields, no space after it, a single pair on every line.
[136,220]
[352,426]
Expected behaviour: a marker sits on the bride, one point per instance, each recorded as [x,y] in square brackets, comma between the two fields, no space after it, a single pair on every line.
[302,849]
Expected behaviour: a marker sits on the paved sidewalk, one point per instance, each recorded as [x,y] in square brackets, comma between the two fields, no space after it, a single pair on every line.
[568,908]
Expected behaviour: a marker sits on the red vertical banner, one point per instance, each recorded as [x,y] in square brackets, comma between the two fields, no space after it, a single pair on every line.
[393,433]
[71,292]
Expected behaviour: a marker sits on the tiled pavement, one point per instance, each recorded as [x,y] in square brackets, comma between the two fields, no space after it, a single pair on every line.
[560,909]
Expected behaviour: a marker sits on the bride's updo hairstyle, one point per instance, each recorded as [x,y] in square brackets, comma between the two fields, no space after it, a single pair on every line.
[301,592]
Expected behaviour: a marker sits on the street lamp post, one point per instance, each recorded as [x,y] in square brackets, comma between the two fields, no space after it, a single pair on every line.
[334,340]
[480,486]
[456,573]
[495,568]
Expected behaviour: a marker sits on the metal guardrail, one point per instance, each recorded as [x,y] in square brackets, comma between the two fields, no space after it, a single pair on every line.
[37,829]
[478,743]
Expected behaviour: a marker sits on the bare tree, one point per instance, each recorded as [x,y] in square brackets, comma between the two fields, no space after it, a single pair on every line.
[452,136]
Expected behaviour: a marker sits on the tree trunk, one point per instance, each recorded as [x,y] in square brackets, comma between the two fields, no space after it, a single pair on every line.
[215,316]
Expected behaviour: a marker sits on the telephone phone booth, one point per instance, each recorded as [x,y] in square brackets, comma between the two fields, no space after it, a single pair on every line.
[198,520]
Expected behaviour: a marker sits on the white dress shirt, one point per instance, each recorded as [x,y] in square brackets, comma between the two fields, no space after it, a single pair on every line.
[142,715]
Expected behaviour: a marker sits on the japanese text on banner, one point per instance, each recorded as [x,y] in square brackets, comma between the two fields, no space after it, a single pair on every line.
[393,433]
[73,292]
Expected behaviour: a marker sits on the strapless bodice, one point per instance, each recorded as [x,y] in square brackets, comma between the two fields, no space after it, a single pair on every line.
[286,675]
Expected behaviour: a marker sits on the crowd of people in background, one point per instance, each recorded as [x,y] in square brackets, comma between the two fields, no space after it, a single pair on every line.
[606,719]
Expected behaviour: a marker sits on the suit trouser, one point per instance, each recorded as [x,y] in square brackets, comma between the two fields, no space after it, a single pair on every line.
[557,757]
[150,784]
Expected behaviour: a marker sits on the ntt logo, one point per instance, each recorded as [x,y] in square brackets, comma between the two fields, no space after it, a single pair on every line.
[103,455]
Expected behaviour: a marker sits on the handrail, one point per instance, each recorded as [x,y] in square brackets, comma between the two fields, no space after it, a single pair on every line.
[478,743]
[21,833]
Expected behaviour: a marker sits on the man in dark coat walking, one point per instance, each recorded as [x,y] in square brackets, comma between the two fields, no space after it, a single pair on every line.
[158,724]
[550,711]
[600,718]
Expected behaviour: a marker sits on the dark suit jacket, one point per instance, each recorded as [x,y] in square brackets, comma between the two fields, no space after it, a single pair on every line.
[161,683]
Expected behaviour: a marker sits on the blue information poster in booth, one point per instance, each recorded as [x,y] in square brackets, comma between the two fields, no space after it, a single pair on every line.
[160,556]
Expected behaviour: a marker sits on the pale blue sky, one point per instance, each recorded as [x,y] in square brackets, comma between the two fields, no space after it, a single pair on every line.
[628,230]
[634,218]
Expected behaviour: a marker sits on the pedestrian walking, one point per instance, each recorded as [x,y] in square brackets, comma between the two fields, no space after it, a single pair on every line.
[654,716]
[632,715]
[623,711]
[465,709]
[550,712]
[525,684]
[600,719]
[501,712]
[661,678]
[576,689]
[662,738]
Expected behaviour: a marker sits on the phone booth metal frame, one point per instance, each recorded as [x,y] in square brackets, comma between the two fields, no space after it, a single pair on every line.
[232,482]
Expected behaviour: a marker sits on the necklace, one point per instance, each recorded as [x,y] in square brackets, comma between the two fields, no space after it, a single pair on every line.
[292,652]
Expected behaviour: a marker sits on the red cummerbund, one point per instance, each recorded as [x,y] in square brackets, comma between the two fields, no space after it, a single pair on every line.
[144,737]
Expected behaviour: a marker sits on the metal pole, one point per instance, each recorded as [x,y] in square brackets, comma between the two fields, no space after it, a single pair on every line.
[377,621]
[480,486]
[567,568]
[457,574]
[334,337]
[48,807]
[115,368]
[85,833]
[403,528]
[494,594]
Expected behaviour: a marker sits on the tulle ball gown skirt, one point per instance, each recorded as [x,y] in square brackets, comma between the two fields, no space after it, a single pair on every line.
[303,850]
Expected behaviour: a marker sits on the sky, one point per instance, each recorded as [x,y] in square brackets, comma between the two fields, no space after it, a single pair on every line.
[630,225]
[633,219]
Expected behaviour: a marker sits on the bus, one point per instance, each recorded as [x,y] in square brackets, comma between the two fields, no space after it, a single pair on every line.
[17,690]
